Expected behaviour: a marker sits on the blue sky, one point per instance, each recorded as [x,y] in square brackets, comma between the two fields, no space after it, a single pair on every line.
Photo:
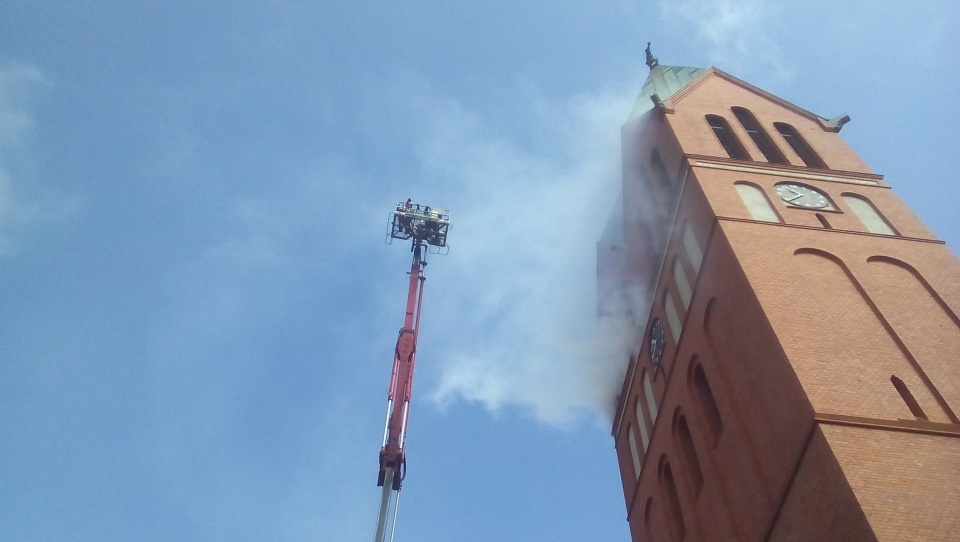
[199,311]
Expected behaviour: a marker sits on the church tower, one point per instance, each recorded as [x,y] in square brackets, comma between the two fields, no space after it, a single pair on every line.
[796,374]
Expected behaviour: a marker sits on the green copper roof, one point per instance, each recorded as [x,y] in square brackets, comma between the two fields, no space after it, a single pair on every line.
[664,81]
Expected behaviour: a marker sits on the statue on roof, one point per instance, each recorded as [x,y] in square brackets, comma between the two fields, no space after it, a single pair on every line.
[651,60]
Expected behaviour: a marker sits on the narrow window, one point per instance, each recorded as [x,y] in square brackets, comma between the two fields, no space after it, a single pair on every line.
[706,402]
[664,185]
[673,318]
[660,168]
[690,458]
[683,285]
[651,398]
[633,451]
[651,238]
[908,398]
[647,509]
[799,145]
[659,193]
[692,247]
[759,136]
[642,425]
[673,503]
[756,202]
[868,214]
[728,140]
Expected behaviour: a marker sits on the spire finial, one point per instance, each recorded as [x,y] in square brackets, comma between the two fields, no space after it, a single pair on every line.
[651,60]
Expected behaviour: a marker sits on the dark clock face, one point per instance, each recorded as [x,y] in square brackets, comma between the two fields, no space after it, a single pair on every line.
[802,196]
[657,340]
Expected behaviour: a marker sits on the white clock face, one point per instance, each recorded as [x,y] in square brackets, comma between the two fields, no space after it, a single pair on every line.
[803,196]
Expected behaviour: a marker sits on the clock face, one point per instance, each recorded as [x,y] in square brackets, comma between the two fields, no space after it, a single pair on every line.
[803,196]
[657,340]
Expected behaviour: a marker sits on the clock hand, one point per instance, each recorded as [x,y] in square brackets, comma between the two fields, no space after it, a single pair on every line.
[794,197]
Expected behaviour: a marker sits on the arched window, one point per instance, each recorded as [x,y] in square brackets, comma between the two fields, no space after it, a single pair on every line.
[673,503]
[673,318]
[642,425]
[692,247]
[728,140]
[633,451]
[799,145]
[683,285]
[759,136]
[868,214]
[756,202]
[690,459]
[660,169]
[659,197]
[651,398]
[706,402]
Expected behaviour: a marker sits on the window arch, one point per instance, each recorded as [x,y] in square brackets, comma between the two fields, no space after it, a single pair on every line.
[760,137]
[728,140]
[689,452]
[660,169]
[673,317]
[868,214]
[674,511]
[756,202]
[706,402]
[651,398]
[683,284]
[642,425]
[657,195]
[799,145]
[634,454]
[692,247]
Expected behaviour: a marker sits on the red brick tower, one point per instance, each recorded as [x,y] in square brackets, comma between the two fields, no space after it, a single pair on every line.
[797,369]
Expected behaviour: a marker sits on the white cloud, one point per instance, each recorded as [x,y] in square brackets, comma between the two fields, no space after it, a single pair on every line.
[735,33]
[22,202]
[18,83]
[510,314]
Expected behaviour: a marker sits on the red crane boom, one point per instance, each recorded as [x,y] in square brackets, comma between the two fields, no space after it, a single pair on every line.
[401,380]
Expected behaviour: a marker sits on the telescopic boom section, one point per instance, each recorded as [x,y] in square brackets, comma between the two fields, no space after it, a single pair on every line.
[401,380]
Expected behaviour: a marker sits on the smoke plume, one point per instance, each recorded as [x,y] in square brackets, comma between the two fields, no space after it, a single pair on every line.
[511,315]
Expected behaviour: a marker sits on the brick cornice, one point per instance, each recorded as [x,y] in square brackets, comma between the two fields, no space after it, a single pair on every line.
[907,426]
[787,170]
[831,230]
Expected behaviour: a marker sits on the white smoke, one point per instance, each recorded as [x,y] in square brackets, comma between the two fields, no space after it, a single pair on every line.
[511,315]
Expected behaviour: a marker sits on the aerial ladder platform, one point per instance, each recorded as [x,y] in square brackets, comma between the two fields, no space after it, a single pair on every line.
[426,228]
